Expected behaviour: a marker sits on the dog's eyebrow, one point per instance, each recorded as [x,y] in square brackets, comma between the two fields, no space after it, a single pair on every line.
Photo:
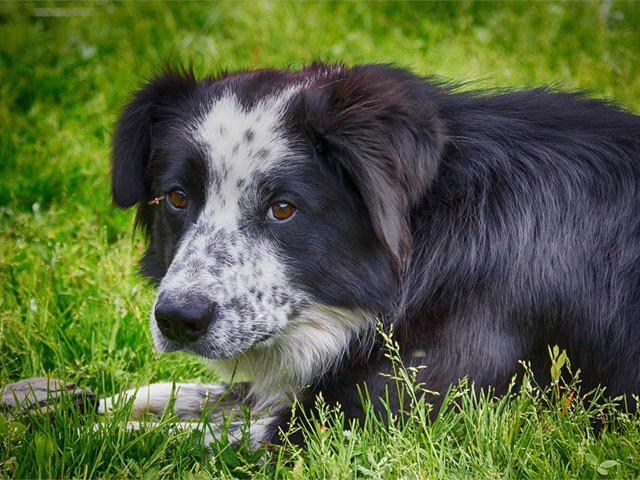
[156,201]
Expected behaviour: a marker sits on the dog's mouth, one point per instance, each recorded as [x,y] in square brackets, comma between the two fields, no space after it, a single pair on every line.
[209,344]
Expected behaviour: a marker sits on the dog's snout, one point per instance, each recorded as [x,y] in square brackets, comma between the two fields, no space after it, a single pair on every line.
[185,322]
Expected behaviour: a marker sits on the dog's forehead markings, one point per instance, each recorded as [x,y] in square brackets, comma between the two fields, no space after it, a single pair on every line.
[217,259]
[240,142]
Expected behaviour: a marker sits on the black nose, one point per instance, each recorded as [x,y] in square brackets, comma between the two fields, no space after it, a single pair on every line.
[185,322]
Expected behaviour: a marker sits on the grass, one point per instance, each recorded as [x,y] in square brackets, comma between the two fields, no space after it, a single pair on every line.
[72,306]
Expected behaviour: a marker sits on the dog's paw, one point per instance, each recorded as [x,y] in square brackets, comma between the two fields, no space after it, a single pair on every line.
[44,395]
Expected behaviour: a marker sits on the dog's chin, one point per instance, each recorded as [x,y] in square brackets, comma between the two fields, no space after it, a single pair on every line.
[206,349]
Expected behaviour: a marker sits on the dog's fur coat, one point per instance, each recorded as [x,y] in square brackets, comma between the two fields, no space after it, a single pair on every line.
[289,212]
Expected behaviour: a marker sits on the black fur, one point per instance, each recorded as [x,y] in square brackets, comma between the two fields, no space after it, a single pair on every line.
[484,226]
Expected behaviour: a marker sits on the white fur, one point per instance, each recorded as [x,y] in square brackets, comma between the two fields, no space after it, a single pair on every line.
[189,399]
[188,402]
[310,346]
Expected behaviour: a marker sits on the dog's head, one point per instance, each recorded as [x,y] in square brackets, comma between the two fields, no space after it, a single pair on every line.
[271,198]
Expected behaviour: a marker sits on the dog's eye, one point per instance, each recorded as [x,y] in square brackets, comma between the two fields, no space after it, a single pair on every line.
[178,199]
[281,211]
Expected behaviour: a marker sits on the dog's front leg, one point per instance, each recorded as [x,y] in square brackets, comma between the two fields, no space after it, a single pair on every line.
[190,401]
[187,401]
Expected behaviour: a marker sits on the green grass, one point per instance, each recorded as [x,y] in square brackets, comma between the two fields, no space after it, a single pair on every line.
[72,306]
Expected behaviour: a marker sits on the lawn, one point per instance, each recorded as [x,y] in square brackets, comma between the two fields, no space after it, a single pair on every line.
[73,307]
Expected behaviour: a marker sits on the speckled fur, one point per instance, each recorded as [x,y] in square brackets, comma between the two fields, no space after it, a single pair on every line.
[219,260]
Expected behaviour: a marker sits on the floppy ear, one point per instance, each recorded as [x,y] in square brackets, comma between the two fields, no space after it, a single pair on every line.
[131,146]
[379,125]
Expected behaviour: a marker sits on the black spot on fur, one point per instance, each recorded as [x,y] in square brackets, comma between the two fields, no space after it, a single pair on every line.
[248,135]
[263,153]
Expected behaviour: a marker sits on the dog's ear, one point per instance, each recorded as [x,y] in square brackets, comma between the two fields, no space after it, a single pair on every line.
[379,125]
[132,140]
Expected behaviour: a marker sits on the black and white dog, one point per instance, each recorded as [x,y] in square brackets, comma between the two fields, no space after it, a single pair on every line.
[290,212]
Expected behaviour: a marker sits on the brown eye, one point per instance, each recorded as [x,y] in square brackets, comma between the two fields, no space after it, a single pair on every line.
[281,211]
[178,199]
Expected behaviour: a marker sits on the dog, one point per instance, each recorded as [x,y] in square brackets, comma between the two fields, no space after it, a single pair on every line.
[291,214]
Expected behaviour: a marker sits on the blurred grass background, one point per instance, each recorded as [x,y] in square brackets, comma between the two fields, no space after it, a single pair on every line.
[71,305]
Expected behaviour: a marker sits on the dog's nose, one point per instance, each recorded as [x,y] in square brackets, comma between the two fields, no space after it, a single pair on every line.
[185,322]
